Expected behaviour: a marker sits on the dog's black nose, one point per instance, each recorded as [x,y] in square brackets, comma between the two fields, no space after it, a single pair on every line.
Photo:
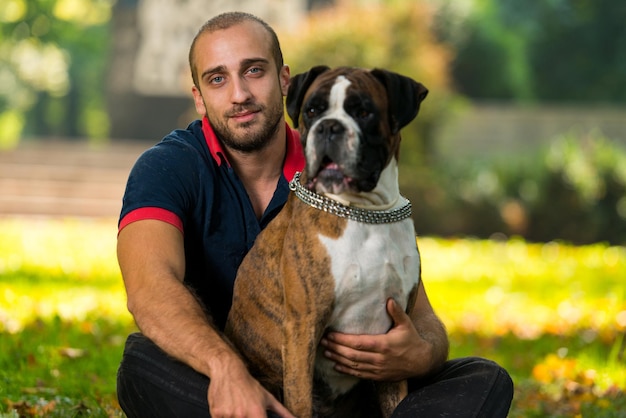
[330,129]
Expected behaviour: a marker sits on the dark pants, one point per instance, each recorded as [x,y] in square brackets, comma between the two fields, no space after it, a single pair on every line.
[151,384]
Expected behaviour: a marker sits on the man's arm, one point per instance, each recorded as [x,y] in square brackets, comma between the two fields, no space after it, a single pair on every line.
[415,346]
[430,328]
[152,260]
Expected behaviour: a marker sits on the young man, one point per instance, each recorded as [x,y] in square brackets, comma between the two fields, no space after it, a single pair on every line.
[193,207]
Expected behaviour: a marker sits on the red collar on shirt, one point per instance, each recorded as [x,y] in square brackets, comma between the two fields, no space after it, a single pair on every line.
[294,160]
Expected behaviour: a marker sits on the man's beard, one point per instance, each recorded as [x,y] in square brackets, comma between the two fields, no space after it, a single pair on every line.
[251,140]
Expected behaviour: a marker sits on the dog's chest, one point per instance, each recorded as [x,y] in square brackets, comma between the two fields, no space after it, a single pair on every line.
[371,263]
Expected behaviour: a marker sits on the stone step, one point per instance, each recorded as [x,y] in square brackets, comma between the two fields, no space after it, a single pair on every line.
[65,179]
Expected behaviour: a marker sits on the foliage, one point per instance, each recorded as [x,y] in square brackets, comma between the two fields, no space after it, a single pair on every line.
[586,180]
[573,189]
[490,60]
[568,50]
[578,53]
[396,36]
[553,314]
[52,56]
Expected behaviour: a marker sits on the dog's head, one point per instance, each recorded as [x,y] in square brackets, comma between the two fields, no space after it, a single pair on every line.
[349,121]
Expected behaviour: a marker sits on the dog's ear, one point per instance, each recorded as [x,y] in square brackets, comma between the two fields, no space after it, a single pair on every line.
[404,96]
[297,88]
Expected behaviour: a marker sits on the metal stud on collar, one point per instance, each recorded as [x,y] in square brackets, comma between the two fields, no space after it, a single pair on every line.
[356,214]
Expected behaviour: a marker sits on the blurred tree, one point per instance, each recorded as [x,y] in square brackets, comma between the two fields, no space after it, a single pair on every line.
[493,63]
[53,54]
[579,52]
[560,50]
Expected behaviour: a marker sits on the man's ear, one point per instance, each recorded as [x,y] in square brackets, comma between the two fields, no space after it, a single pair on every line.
[284,78]
[299,85]
[404,96]
[198,101]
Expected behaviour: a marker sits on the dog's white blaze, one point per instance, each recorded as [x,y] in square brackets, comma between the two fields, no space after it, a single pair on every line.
[370,263]
[338,93]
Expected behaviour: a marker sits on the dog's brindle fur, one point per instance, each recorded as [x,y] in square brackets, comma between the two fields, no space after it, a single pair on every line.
[286,295]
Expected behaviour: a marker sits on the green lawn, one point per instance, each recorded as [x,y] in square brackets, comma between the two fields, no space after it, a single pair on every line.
[554,315]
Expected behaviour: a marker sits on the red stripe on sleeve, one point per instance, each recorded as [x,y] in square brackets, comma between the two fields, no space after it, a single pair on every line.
[154,213]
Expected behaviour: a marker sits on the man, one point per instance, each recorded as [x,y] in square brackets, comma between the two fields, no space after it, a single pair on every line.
[193,207]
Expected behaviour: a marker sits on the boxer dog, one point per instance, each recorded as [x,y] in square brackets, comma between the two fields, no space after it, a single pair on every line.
[343,244]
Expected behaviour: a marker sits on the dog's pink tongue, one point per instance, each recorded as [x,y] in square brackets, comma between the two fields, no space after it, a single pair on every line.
[333,178]
[331,171]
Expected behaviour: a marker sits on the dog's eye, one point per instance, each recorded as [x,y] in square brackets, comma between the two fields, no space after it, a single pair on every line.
[313,111]
[363,113]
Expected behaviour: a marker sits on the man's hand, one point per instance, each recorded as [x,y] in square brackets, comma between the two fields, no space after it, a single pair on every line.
[237,394]
[399,354]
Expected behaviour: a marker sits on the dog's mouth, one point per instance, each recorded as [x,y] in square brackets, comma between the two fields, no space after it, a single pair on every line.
[329,178]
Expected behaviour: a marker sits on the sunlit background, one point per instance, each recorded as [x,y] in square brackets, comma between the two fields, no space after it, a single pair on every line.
[516,168]
[523,133]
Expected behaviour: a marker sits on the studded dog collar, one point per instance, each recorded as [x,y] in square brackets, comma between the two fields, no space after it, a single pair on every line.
[356,214]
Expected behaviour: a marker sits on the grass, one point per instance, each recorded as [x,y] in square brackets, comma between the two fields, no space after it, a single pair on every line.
[63,318]
[553,314]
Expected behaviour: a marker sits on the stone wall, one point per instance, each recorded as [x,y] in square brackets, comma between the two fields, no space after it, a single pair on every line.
[504,129]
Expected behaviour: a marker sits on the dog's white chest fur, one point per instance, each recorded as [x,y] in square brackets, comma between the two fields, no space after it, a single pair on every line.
[370,263]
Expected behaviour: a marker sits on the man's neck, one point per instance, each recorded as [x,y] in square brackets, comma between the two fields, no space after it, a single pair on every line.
[259,171]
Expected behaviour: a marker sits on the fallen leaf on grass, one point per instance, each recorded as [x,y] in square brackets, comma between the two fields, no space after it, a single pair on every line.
[554,368]
[39,390]
[81,409]
[566,389]
[72,353]
[27,409]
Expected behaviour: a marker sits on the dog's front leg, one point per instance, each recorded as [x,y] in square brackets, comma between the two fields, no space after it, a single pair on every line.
[308,305]
[298,366]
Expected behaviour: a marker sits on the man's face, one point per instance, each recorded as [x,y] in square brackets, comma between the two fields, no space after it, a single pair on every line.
[240,90]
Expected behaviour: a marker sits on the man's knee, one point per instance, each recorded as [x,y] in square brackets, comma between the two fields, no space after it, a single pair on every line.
[498,388]
[150,383]
[465,387]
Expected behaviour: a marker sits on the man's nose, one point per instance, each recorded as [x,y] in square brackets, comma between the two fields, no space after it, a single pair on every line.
[240,91]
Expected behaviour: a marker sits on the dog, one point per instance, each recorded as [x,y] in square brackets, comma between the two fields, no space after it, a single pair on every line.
[343,244]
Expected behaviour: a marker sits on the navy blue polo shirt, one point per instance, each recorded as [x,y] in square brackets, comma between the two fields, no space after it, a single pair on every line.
[186,180]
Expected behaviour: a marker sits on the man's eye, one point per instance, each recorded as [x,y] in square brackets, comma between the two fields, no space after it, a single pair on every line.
[255,71]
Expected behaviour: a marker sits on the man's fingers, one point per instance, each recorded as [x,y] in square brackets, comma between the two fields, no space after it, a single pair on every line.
[336,340]
[279,408]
